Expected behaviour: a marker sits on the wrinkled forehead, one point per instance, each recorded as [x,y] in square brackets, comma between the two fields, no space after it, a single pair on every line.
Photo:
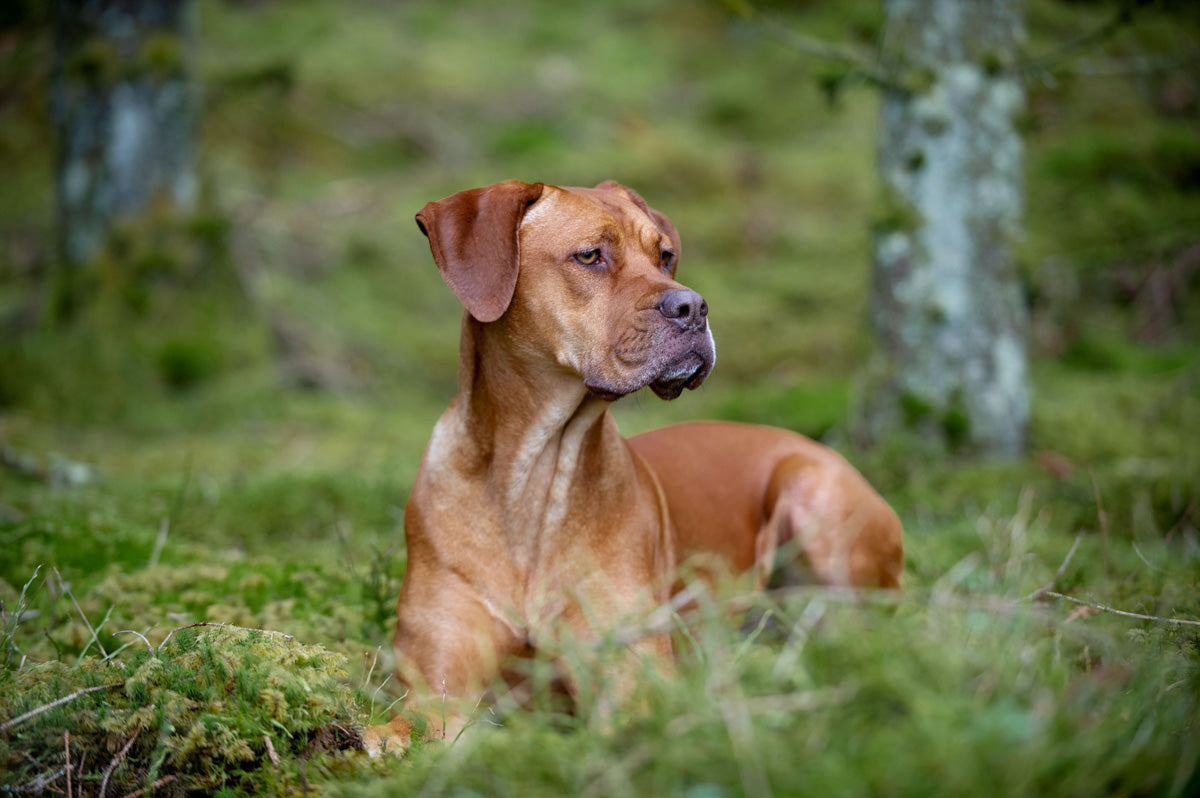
[583,213]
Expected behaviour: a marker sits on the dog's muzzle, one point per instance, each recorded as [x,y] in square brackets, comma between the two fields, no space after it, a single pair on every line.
[688,370]
[681,356]
[688,311]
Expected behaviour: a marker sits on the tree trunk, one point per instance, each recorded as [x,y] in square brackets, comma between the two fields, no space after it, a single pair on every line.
[947,306]
[123,111]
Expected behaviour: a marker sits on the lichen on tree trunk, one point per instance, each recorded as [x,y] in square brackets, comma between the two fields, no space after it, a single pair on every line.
[123,110]
[947,307]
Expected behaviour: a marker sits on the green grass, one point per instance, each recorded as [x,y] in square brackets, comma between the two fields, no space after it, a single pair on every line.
[227,433]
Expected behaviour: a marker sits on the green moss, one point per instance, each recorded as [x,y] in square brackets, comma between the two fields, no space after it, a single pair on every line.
[161,55]
[830,80]
[1168,158]
[192,710]
[918,80]
[916,410]
[993,63]
[95,62]
[185,363]
[956,423]
[893,213]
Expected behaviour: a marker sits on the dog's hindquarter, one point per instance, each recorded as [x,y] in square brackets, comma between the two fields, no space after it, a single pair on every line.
[767,502]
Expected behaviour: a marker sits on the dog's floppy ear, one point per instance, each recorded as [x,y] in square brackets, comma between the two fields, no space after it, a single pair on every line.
[473,236]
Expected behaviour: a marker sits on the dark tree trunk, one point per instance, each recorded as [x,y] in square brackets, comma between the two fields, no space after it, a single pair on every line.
[123,110]
[947,306]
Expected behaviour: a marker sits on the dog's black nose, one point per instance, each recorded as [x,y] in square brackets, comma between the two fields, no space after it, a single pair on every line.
[684,307]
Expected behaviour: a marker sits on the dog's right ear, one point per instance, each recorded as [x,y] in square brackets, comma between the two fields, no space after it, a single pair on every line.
[473,236]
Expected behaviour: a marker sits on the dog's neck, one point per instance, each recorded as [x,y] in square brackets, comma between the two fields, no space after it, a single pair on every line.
[532,430]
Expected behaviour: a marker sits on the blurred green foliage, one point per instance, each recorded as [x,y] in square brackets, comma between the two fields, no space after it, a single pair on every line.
[226,428]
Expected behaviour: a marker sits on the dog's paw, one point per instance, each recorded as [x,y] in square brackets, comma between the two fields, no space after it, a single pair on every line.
[392,738]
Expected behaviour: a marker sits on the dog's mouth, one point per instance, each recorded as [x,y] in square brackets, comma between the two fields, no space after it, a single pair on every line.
[687,372]
[668,378]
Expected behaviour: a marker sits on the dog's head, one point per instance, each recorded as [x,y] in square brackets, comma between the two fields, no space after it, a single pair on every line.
[580,278]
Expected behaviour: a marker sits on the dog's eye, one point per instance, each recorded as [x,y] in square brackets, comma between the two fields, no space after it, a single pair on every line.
[589,258]
[667,260]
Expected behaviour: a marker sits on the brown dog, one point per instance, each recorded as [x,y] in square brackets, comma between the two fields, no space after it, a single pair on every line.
[531,517]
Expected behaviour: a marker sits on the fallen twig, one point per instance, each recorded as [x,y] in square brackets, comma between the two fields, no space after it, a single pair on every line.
[171,634]
[67,758]
[160,783]
[1098,606]
[274,757]
[33,713]
[138,634]
[40,782]
[117,760]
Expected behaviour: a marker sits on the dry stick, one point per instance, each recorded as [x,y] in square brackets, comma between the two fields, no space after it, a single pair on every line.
[40,782]
[274,757]
[1048,588]
[221,626]
[79,771]
[117,760]
[139,634]
[160,783]
[67,758]
[1097,606]
[63,586]
[33,713]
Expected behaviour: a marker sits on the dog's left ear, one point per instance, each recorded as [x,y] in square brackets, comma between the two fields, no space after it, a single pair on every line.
[473,236]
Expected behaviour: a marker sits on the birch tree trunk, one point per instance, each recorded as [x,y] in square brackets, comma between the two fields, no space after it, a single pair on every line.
[123,111]
[947,307]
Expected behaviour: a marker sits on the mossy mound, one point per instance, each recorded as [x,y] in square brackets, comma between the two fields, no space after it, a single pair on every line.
[213,708]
